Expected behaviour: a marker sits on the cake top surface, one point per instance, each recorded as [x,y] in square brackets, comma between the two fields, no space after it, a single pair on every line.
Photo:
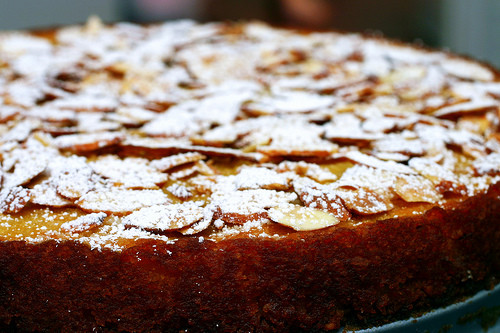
[109,134]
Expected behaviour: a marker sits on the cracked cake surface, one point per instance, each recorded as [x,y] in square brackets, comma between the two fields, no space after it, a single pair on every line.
[125,137]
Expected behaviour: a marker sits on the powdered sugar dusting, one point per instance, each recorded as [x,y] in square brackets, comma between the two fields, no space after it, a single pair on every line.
[120,200]
[84,223]
[211,130]
[165,217]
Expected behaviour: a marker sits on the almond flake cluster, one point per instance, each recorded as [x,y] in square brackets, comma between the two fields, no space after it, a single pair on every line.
[181,129]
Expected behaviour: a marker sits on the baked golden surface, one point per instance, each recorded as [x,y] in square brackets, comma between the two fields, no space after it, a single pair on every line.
[154,176]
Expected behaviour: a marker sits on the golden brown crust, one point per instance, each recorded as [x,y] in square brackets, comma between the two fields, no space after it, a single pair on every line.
[310,280]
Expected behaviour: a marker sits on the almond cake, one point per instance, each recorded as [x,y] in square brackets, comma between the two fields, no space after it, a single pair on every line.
[240,177]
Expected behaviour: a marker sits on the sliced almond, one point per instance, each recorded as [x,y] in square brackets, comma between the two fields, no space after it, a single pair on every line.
[72,183]
[489,165]
[84,223]
[120,201]
[199,167]
[347,136]
[301,151]
[87,142]
[259,177]
[130,172]
[14,199]
[465,108]
[160,147]
[313,171]
[169,162]
[333,205]
[363,201]
[359,157]
[240,219]
[444,179]
[28,165]
[318,196]
[227,200]
[301,218]
[45,194]
[165,217]
[8,113]
[21,131]
[395,143]
[199,226]
[180,191]
[416,189]
[86,103]
[395,157]
[294,101]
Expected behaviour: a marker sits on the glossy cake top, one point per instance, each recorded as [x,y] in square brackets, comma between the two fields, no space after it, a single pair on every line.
[114,133]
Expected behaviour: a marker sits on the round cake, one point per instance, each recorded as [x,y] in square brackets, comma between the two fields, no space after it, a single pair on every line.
[238,177]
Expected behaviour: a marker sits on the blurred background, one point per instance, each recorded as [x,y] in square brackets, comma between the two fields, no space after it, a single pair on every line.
[468,27]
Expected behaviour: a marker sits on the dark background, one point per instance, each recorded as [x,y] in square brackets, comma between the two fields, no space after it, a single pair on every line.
[469,27]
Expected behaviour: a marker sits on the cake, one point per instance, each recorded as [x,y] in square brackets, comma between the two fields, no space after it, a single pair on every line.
[234,177]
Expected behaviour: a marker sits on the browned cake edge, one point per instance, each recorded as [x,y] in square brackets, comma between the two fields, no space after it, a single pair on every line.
[311,280]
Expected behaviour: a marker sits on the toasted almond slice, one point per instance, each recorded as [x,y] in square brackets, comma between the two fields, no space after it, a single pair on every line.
[160,147]
[120,201]
[84,223]
[489,165]
[294,138]
[294,101]
[318,196]
[202,185]
[72,183]
[45,194]
[493,143]
[135,115]
[359,157]
[310,170]
[396,157]
[87,142]
[227,200]
[301,218]
[328,203]
[170,162]
[180,191]
[199,226]
[130,172]
[258,177]
[304,151]
[474,106]
[8,113]
[199,167]
[165,217]
[28,165]
[467,69]
[240,219]
[225,152]
[21,131]
[443,179]
[347,136]
[84,103]
[364,201]
[416,189]
[396,143]
[13,199]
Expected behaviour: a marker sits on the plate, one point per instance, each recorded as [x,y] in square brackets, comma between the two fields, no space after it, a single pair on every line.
[480,313]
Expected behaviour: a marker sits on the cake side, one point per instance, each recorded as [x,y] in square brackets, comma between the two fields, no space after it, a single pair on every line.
[374,273]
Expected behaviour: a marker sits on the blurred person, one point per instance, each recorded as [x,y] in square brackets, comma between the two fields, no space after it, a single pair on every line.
[309,13]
